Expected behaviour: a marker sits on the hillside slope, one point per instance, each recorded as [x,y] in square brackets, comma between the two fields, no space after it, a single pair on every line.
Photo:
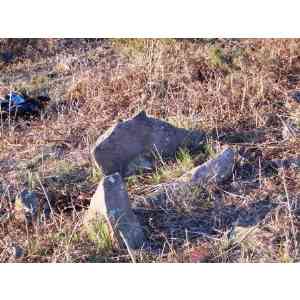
[240,92]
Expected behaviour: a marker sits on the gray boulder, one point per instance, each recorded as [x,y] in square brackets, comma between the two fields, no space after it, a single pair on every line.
[131,146]
[111,202]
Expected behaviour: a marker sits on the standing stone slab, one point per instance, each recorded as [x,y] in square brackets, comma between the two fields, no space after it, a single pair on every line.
[129,146]
[111,202]
[218,170]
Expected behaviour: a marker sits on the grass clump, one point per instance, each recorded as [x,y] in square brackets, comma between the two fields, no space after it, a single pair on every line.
[98,232]
[167,172]
[189,198]
[218,59]
[37,84]
[136,47]
[95,174]
[130,47]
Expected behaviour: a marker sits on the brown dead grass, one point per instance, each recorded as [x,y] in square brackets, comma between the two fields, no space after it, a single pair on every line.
[229,88]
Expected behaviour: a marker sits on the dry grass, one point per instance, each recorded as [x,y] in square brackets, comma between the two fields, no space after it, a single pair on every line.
[235,90]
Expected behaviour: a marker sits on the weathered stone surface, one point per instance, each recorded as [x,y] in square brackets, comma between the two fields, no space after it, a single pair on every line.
[218,170]
[111,202]
[129,147]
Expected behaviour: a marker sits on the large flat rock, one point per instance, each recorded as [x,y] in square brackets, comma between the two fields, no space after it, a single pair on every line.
[131,146]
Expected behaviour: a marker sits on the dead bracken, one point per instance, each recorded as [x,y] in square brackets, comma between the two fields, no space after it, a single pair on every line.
[200,136]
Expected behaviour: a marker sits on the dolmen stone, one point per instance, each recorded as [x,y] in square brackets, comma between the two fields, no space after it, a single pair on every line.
[131,146]
[217,170]
[111,202]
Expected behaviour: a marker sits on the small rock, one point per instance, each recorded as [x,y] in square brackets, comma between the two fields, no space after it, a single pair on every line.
[30,208]
[111,202]
[137,141]
[7,56]
[17,251]
[27,202]
[13,249]
[295,95]
[219,169]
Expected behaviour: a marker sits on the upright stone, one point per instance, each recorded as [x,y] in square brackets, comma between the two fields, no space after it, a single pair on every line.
[111,202]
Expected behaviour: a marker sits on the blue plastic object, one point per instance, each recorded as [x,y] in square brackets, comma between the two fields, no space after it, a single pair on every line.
[21,104]
[15,99]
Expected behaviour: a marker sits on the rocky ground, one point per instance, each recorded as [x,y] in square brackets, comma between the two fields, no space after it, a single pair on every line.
[241,93]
